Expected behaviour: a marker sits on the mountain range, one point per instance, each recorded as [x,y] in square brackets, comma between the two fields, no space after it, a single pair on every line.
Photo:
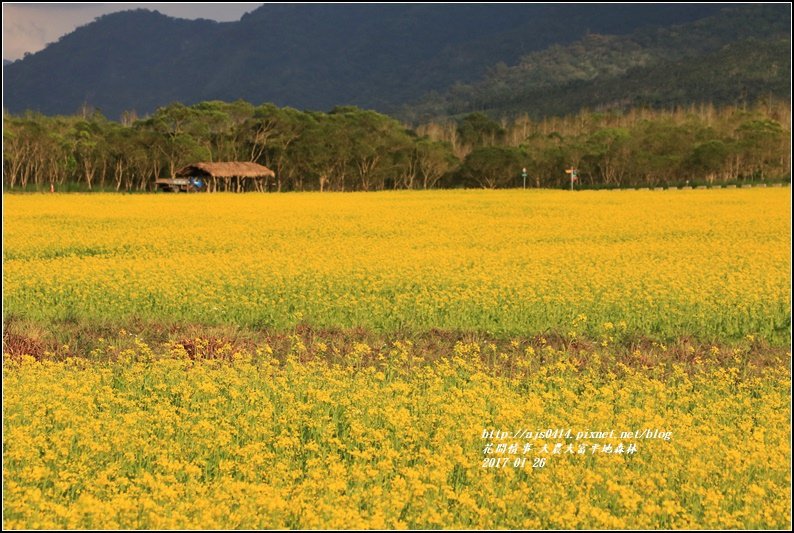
[414,60]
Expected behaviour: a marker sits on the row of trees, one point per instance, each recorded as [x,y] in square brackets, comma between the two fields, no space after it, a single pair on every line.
[353,149]
[643,147]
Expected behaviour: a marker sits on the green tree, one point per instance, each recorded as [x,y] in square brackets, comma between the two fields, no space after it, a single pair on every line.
[708,159]
[433,160]
[476,129]
[762,146]
[493,166]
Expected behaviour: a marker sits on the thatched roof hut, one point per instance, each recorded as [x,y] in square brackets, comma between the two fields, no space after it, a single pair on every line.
[233,170]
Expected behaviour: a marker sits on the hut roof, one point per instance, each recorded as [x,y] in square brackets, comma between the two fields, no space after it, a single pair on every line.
[231,169]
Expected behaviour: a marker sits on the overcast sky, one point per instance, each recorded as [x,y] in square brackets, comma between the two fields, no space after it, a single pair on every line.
[30,27]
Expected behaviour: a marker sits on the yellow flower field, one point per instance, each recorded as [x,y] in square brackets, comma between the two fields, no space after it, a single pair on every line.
[450,359]
[166,441]
[708,264]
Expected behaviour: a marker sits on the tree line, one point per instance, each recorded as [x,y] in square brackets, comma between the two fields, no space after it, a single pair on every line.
[351,149]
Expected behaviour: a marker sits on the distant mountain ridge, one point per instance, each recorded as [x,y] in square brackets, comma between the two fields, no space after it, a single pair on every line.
[317,56]
[740,54]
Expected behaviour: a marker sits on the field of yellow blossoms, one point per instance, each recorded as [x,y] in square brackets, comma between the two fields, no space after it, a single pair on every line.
[471,359]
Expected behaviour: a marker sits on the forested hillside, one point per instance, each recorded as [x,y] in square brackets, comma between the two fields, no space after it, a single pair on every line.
[734,57]
[379,56]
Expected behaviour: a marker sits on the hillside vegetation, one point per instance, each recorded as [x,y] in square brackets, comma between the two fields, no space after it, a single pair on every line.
[305,56]
[736,56]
